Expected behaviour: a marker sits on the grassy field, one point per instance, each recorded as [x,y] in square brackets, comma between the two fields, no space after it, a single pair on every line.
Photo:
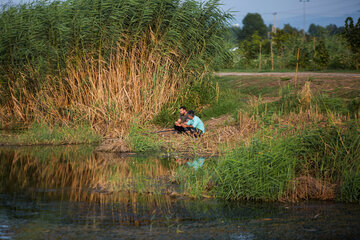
[278,141]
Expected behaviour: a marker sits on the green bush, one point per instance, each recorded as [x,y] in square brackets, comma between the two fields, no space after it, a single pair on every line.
[167,116]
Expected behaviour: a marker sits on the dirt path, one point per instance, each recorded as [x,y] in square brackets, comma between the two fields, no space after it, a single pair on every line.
[289,74]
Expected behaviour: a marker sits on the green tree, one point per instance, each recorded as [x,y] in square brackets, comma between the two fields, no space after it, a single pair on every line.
[352,35]
[253,22]
[332,29]
[321,56]
[233,34]
[316,30]
[291,30]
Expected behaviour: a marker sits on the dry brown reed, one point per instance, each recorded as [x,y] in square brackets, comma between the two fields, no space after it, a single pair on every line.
[307,187]
[305,94]
[113,145]
[135,82]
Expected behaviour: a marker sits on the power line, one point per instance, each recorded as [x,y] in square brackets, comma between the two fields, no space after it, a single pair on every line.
[304,14]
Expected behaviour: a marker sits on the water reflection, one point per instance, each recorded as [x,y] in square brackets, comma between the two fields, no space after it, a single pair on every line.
[78,169]
[73,193]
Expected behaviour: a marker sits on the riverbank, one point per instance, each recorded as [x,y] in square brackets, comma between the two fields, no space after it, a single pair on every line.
[277,142]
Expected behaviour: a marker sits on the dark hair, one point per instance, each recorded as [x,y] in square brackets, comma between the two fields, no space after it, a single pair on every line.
[191,113]
[182,107]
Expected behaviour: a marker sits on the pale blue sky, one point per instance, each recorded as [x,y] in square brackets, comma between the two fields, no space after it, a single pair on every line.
[321,12]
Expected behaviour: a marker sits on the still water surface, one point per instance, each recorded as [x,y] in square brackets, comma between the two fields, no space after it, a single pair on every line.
[64,193]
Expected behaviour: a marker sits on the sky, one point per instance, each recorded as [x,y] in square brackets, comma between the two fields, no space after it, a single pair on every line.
[319,12]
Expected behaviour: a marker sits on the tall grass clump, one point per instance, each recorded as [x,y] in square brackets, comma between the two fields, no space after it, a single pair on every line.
[319,163]
[141,139]
[260,171]
[350,187]
[102,61]
[332,152]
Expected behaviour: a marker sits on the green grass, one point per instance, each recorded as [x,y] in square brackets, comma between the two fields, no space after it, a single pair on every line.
[229,102]
[350,187]
[142,140]
[233,96]
[263,169]
[260,171]
[41,133]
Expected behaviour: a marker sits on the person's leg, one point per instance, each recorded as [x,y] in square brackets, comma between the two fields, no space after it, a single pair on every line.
[180,129]
[198,132]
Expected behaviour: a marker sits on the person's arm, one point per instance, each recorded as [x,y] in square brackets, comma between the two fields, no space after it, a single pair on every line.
[187,124]
[177,123]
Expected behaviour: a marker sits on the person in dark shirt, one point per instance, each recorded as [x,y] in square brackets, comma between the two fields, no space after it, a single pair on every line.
[183,118]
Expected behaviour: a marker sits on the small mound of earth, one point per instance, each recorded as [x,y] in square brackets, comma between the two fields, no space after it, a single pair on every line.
[113,145]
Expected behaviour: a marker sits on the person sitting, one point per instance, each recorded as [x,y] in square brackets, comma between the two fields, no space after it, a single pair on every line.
[194,125]
[183,118]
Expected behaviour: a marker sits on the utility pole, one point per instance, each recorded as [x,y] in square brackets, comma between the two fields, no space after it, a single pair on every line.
[260,56]
[274,27]
[304,1]
[271,43]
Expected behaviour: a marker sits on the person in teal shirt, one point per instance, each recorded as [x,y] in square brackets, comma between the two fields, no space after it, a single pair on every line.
[195,125]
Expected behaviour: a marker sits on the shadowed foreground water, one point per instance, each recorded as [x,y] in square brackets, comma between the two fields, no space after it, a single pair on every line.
[48,195]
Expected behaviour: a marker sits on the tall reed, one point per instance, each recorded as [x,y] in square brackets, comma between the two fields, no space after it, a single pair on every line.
[103,61]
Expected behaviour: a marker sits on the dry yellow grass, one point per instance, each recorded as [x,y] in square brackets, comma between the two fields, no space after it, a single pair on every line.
[307,187]
[136,82]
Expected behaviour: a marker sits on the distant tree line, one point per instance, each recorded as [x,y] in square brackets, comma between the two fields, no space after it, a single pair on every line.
[257,46]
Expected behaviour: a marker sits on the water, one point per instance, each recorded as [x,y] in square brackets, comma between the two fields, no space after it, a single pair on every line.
[63,193]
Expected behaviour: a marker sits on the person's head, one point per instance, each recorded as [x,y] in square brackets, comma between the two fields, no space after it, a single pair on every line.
[183,110]
[191,114]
